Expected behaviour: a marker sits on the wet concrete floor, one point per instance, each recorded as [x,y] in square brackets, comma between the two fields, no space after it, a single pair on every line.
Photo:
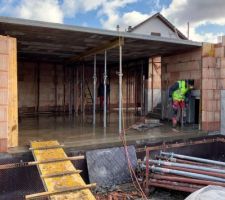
[79,132]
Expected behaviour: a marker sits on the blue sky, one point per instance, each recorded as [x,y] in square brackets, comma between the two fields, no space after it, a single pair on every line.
[206,17]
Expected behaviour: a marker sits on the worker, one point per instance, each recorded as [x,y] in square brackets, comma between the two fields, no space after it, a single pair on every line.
[180,92]
[101,94]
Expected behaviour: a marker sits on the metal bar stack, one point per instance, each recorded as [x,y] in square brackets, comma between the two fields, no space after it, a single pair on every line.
[181,172]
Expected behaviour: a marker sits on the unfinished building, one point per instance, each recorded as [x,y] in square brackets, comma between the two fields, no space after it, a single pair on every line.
[51,74]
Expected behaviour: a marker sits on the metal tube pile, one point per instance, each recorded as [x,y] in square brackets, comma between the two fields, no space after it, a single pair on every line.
[183,173]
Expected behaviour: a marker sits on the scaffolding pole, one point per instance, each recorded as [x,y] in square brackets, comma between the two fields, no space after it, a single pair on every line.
[120,88]
[82,91]
[105,95]
[143,90]
[94,92]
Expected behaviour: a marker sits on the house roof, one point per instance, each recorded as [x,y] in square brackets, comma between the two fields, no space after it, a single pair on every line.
[165,21]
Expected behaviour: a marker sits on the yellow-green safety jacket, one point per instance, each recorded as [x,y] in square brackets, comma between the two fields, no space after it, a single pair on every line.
[179,94]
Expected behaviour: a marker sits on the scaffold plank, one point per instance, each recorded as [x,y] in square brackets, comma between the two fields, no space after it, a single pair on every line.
[63,182]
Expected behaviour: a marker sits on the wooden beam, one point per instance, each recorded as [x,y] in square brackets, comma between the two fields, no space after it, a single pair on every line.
[47,147]
[60,191]
[61,174]
[93,51]
[32,163]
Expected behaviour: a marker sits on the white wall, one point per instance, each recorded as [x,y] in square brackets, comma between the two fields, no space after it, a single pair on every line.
[155,25]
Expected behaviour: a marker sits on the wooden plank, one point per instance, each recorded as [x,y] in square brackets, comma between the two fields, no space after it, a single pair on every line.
[66,190]
[9,49]
[61,174]
[32,163]
[13,95]
[47,147]
[54,184]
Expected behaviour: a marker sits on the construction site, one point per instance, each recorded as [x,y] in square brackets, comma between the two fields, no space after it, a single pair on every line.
[84,111]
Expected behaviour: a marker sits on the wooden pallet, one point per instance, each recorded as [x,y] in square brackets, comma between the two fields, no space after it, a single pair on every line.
[61,179]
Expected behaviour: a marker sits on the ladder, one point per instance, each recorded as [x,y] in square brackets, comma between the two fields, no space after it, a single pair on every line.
[59,176]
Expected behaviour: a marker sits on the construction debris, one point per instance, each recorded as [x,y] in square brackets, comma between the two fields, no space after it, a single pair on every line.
[122,192]
[181,172]
[148,124]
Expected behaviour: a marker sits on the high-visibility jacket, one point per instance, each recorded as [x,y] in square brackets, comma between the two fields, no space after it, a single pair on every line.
[179,94]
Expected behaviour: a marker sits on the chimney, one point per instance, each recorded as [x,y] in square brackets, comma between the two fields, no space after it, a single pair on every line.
[129,28]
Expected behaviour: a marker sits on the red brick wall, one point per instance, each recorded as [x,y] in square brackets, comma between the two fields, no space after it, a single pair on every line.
[213,72]
[179,67]
[49,74]
[182,66]
[210,89]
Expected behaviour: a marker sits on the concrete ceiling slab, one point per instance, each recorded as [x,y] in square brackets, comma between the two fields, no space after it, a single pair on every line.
[59,42]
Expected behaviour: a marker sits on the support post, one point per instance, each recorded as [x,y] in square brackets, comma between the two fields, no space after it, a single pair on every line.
[120,88]
[152,76]
[64,89]
[143,90]
[37,100]
[105,95]
[94,91]
[82,91]
[55,85]
[73,88]
[143,95]
[77,91]
[70,90]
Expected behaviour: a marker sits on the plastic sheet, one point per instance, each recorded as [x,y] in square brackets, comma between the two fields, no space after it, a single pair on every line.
[210,192]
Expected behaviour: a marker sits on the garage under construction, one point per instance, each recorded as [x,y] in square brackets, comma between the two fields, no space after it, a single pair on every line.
[83,88]
[61,69]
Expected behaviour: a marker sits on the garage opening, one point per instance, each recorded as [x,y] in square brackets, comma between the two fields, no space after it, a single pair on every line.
[81,86]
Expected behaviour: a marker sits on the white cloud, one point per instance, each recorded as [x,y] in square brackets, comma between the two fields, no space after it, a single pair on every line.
[107,11]
[42,10]
[56,10]
[197,13]
[133,18]
[179,12]
[72,7]
[110,17]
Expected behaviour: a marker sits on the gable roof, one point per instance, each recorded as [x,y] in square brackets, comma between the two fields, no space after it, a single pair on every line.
[165,21]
